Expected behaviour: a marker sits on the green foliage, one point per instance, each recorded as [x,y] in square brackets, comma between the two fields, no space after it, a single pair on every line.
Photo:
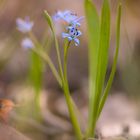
[109,83]
[64,81]
[35,77]
[93,25]
[36,68]
[98,49]
[50,23]
[99,42]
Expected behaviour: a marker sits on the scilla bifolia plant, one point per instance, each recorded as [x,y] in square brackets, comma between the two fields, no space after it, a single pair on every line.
[99,42]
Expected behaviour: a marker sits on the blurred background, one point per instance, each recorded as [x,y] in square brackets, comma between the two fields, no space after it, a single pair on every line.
[121,115]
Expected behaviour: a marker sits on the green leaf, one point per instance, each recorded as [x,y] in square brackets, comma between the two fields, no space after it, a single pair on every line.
[93,35]
[50,23]
[93,25]
[101,58]
[49,20]
[35,74]
[35,77]
[109,83]
[104,44]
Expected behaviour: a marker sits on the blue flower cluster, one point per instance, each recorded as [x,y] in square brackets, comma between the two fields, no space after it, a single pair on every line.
[25,26]
[72,32]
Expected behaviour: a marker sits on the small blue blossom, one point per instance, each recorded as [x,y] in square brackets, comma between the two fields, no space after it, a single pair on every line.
[69,17]
[25,25]
[27,43]
[72,34]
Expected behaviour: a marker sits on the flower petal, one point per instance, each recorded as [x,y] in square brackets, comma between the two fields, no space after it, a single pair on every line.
[78,33]
[64,35]
[24,26]
[70,38]
[79,19]
[60,15]
[76,21]
[27,43]
[77,42]
[67,16]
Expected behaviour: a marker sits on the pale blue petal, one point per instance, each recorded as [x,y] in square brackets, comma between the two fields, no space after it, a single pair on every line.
[77,42]
[64,35]
[70,18]
[79,33]
[76,22]
[79,19]
[70,38]
[24,26]
[67,16]
[27,43]
[57,16]
[61,15]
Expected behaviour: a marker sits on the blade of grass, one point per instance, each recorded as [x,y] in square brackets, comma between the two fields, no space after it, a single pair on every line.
[93,25]
[109,83]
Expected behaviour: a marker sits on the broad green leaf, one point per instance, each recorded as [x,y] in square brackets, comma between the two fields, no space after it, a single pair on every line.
[101,59]
[104,44]
[109,83]
[93,35]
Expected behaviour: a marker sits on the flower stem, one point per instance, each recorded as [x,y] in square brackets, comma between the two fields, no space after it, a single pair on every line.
[48,60]
[57,51]
[69,101]
[39,50]
[51,24]
[66,47]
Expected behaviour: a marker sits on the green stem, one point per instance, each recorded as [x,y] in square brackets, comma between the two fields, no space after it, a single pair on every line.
[37,106]
[45,57]
[58,53]
[66,47]
[69,101]
[39,50]
[50,22]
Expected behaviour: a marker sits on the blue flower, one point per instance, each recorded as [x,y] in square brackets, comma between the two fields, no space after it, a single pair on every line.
[68,17]
[25,25]
[72,34]
[27,43]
